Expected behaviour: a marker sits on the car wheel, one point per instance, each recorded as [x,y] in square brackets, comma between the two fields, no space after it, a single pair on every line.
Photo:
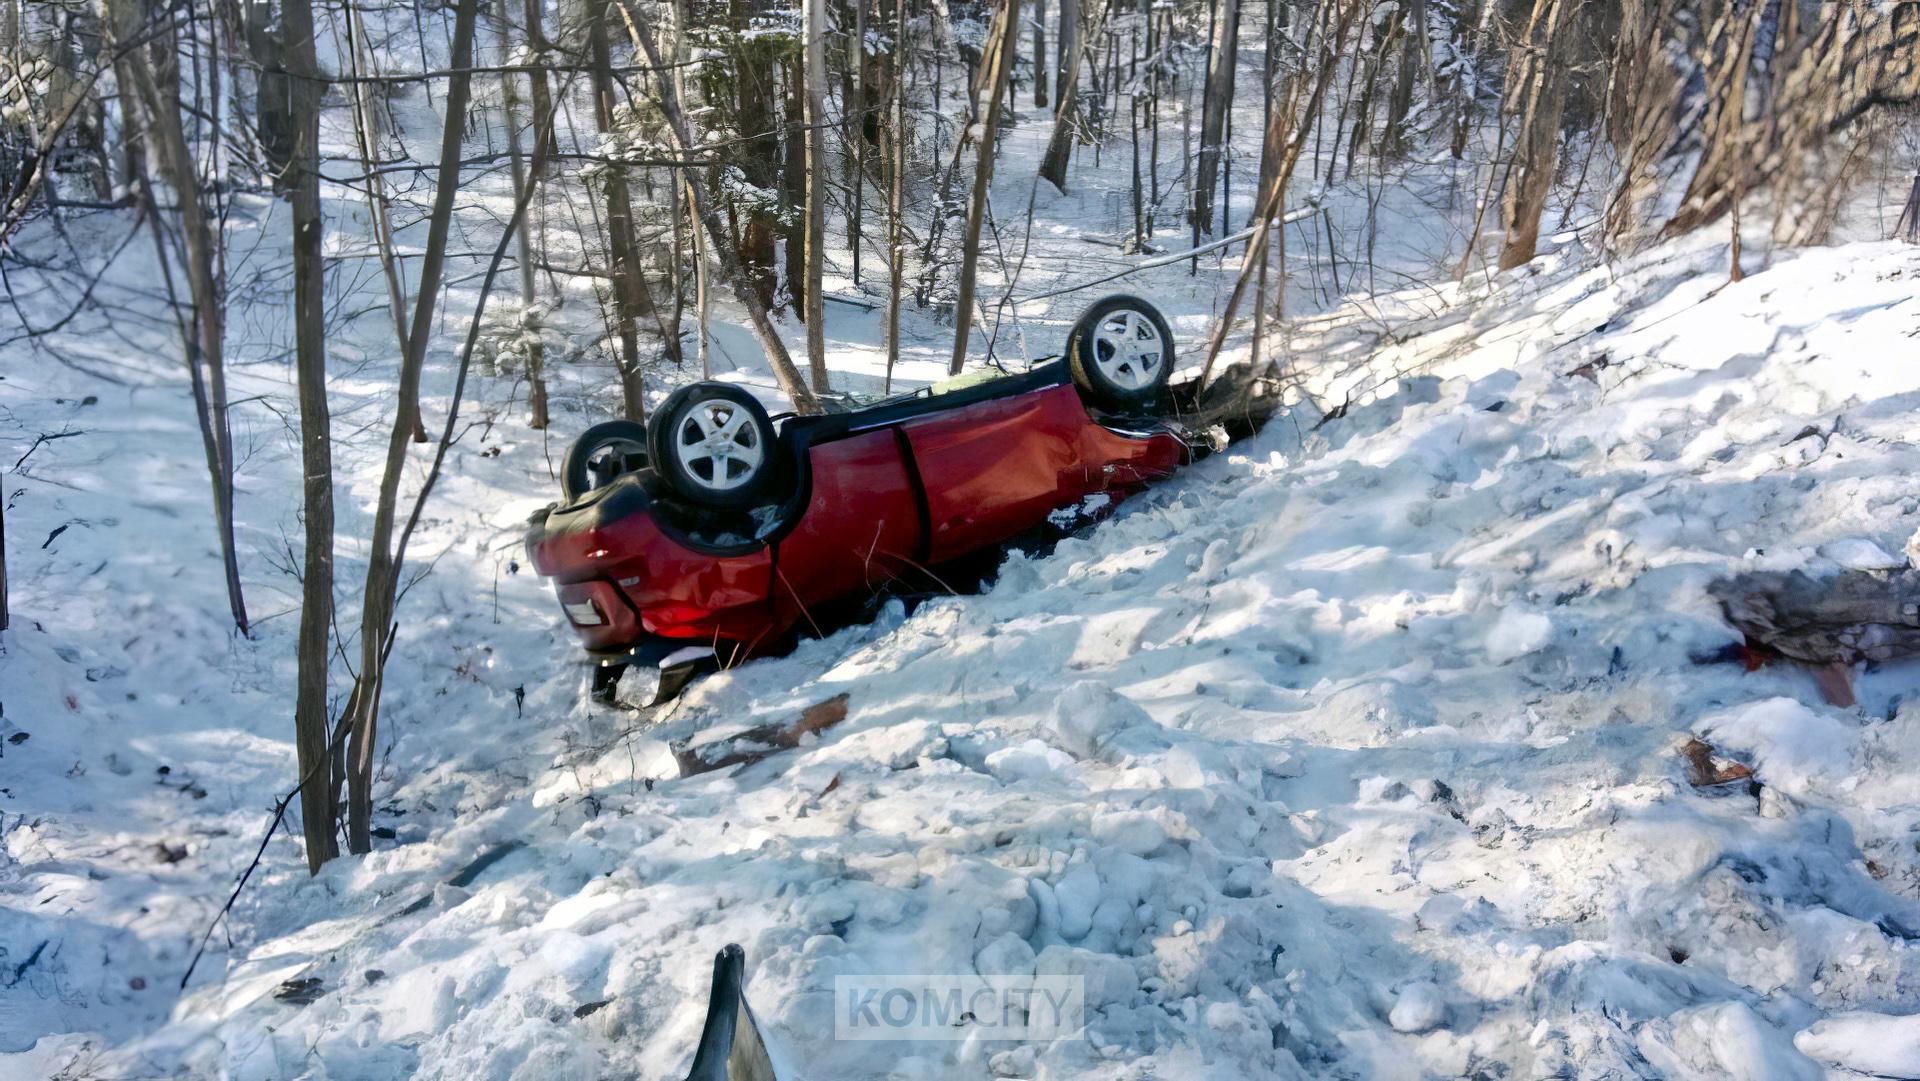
[1121,354]
[602,453]
[713,443]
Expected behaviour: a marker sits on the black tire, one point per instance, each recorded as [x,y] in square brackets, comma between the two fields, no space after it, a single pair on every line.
[733,473]
[1136,382]
[602,453]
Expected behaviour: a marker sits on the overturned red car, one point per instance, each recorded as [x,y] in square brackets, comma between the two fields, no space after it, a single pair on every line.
[717,532]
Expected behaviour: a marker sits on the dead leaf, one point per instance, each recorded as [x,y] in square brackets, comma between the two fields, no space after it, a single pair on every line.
[1590,371]
[300,991]
[1704,772]
[1836,683]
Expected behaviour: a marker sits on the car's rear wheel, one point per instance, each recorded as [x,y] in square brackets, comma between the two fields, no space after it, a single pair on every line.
[602,453]
[1121,354]
[714,445]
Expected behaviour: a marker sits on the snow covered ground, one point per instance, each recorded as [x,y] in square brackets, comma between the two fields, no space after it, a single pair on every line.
[1351,753]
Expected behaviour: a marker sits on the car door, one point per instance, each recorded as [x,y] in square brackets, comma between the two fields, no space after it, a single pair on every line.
[995,468]
[861,527]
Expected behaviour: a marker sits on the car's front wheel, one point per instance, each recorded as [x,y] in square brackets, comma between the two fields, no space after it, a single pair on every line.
[714,445]
[1121,354]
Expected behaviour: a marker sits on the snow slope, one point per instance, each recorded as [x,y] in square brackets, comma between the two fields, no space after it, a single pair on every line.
[1351,753]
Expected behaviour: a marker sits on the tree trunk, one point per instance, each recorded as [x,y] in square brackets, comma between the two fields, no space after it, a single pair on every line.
[794,179]
[1053,164]
[630,297]
[1759,96]
[205,344]
[273,105]
[1219,100]
[853,125]
[1069,33]
[896,192]
[816,139]
[1334,21]
[376,615]
[1139,204]
[991,90]
[537,418]
[1040,54]
[1909,224]
[379,211]
[722,245]
[756,91]
[317,810]
[1534,97]
[1413,55]
[1469,90]
[1269,160]
[542,94]
[702,289]
[5,614]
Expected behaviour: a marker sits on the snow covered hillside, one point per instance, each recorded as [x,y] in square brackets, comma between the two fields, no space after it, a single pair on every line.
[1350,753]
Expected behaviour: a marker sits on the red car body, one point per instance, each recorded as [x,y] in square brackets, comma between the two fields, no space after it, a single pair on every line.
[877,494]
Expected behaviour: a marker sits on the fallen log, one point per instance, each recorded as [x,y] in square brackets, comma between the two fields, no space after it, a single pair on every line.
[746,748]
[1853,616]
[1829,624]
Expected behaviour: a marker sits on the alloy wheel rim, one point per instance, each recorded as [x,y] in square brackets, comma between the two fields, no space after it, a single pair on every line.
[719,445]
[1127,349]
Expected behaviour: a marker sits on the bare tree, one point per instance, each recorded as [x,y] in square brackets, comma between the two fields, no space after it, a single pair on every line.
[378,596]
[1066,119]
[523,183]
[5,612]
[379,206]
[1534,96]
[631,297]
[1040,53]
[1333,24]
[1222,60]
[896,188]
[755,91]
[855,122]
[1712,101]
[718,240]
[1414,58]
[815,63]
[990,89]
[205,344]
[310,717]
[1909,224]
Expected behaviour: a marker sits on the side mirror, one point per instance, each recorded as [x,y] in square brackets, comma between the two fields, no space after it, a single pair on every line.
[730,1046]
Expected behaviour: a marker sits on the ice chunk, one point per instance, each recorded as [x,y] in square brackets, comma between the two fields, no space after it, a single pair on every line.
[1008,955]
[1793,748]
[1087,714]
[1026,761]
[1875,1044]
[1418,1007]
[1860,554]
[1130,831]
[1109,979]
[1079,894]
[1517,633]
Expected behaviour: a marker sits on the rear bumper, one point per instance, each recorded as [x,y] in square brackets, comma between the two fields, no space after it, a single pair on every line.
[653,651]
[662,668]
